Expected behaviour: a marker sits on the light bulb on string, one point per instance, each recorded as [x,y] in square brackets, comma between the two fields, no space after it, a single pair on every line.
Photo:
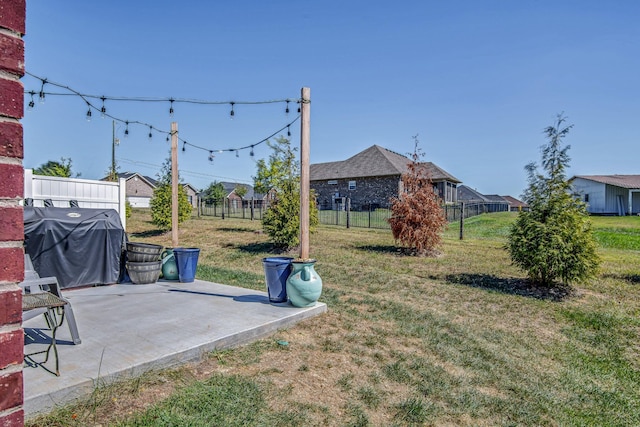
[287,109]
[232,113]
[171,107]
[31,103]
[103,110]
[289,130]
[184,145]
[298,106]
[211,156]
[150,134]
[251,152]
[88,112]
[126,129]
[237,154]
[41,95]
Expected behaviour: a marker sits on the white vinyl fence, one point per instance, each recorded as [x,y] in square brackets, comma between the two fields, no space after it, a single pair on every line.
[87,193]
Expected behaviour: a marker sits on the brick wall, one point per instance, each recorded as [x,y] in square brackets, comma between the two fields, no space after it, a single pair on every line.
[371,190]
[12,28]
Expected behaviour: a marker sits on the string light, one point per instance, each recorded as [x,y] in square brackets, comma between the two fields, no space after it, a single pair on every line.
[31,103]
[211,156]
[103,111]
[41,96]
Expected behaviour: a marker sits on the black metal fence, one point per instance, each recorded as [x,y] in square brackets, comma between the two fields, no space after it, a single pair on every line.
[370,217]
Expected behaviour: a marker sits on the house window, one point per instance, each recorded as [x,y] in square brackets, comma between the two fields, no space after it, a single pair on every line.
[332,182]
[586,198]
[352,185]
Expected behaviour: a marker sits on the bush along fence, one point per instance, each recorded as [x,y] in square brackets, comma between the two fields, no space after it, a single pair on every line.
[367,216]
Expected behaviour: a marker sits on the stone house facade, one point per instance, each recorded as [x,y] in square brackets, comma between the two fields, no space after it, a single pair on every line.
[370,178]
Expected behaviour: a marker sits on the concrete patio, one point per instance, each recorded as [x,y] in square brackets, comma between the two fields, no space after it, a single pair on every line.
[128,329]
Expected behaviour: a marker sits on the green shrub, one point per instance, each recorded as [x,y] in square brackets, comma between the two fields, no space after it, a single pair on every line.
[161,206]
[553,241]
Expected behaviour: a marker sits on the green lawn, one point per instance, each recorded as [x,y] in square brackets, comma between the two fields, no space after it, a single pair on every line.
[459,340]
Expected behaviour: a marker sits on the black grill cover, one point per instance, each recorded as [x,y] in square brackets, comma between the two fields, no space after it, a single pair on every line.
[77,246]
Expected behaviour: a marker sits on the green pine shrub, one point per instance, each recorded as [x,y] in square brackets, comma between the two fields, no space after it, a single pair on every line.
[161,206]
[553,241]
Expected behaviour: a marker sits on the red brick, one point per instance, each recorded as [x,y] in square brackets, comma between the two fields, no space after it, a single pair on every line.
[12,419]
[11,144]
[11,224]
[10,390]
[12,344]
[12,179]
[12,266]
[11,98]
[12,54]
[13,15]
[10,306]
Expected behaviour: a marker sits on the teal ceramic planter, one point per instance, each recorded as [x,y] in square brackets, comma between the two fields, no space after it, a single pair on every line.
[304,286]
[169,266]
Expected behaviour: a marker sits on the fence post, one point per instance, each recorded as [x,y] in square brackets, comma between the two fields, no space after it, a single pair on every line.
[252,214]
[369,214]
[461,220]
[223,203]
[348,208]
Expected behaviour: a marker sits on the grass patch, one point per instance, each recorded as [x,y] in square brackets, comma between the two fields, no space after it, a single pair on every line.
[461,339]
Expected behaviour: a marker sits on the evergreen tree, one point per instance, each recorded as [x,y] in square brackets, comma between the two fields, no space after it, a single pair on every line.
[162,199]
[282,174]
[553,241]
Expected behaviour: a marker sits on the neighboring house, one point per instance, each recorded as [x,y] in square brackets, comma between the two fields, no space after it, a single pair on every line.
[139,189]
[489,202]
[235,201]
[370,178]
[609,194]
[516,205]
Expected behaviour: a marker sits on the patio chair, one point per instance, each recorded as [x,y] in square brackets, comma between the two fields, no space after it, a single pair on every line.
[33,283]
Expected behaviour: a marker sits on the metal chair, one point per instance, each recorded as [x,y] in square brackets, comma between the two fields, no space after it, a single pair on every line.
[33,283]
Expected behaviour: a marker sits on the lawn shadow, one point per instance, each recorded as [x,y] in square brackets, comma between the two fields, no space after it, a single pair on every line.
[521,287]
[383,249]
[263,247]
[148,233]
[634,279]
[237,229]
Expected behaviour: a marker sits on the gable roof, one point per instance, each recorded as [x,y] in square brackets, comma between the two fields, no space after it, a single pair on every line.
[515,202]
[374,161]
[468,194]
[623,181]
[130,175]
[229,187]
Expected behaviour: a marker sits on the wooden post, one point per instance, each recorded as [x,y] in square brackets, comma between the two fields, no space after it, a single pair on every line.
[305,136]
[174,184]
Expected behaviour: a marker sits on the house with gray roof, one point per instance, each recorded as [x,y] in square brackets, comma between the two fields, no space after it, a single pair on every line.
[609,194]
[486,202]
[370,178]
[139,189]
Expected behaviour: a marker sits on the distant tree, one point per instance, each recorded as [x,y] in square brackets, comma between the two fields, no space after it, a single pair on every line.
[162,200]
[553,240]
[214,193]
[417,218]
[53,168]
[282,174]
[241,191]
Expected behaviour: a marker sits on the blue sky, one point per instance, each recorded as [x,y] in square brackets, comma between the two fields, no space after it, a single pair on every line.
[477,81]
